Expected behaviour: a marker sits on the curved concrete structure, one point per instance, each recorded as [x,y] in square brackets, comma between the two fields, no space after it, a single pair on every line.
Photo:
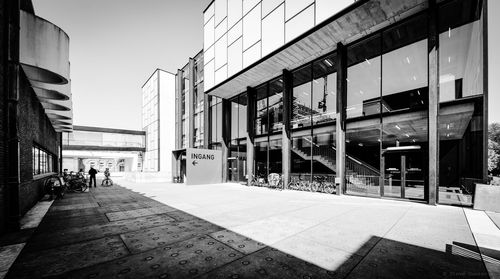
[44,50]
[44,58]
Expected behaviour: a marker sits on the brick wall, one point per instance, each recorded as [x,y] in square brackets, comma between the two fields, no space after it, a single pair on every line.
[3,72]
[34,127]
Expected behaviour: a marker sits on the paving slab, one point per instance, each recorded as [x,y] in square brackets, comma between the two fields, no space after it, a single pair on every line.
[121,215]
[238,242]
[185,259]
[148,239]
[495,217]
[66,258]
[394,259]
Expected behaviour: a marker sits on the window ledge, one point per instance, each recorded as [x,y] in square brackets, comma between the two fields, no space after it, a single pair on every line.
[41,176]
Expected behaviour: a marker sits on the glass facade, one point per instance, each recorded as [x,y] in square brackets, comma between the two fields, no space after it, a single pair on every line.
[386,112]
[461,72]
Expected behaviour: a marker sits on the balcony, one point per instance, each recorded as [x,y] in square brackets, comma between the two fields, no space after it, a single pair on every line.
[44,58]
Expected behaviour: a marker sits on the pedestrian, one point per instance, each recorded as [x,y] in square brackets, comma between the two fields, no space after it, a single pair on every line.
[92,173]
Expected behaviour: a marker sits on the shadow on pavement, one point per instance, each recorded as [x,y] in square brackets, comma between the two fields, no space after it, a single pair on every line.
[117,233]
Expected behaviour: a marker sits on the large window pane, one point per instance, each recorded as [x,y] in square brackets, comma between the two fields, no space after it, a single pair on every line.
[460,50]
[261,158]
[460,123]
[363,158]
[261,119]
[275,102]
[324,153]
[234,118]
[275,157]
[324,98]
[242,116]
[363,78]
[404,74]
[301,155]
[301,109]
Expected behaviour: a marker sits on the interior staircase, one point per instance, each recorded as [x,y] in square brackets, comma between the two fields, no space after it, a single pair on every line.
[359,175]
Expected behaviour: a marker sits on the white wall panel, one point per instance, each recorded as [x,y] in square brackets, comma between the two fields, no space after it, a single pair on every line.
[235,32]
[327,8]
[221,52]
[292,7]
[251,55]
[209,54]
[221,29]
[248,5]
[221,74]
[208,34]
[220,10]
[208,13]
[209,75]
[269,5]
[235,57]
[273,30]
[299,24]
[251,27]
[234,12]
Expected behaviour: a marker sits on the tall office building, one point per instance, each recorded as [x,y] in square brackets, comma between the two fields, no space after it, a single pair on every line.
[158,121]
[387,98]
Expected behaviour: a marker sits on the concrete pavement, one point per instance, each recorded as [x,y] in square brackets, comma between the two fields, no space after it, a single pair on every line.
[160,230]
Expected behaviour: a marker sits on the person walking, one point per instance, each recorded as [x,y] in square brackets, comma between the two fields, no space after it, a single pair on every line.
[92,173]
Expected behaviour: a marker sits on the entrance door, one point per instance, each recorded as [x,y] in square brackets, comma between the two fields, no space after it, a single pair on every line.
[403,175]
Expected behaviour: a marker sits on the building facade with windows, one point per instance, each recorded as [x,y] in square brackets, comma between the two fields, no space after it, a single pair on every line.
[116,149]
[35,106]
[387,98]
[158,106]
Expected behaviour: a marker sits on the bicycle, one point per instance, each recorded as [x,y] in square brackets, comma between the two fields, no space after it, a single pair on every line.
[321,183]
[106,182]
[54,186]
[76,183]
[275,181]
[297,183]
[257,181]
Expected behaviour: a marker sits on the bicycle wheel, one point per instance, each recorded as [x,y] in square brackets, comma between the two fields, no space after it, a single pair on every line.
[314,186]
[329,188]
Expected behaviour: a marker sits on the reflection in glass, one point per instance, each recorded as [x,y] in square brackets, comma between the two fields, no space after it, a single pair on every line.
[324,98]
[261,119]
[301,155]
[261,158]
[275,157]
[363,158]
[460,50]
[242,116]
[461,123]
[275,101]
[301,108]
[363,78]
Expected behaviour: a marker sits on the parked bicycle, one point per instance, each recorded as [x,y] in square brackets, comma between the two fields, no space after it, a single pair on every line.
[321,183]
[299,183]
[275,181]
[57,185]
[107,181]
[257,181]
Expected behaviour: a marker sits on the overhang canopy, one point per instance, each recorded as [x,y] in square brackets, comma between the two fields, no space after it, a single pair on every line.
[356,21]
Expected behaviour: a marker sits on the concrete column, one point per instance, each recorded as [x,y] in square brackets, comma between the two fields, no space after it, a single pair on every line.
[12,132]
[226,136]
[251,106]
[287,134]
[485,91]
[191,104]
[341,115]
[433,51]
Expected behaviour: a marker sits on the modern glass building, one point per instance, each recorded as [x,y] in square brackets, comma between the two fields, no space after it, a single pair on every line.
[385,98]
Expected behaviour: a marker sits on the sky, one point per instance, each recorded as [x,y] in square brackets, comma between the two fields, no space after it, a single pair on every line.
[115,45]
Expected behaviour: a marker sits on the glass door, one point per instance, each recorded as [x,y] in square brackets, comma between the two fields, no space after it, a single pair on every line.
[403,175]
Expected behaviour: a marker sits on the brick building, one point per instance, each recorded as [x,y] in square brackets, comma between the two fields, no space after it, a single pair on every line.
[35,106]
